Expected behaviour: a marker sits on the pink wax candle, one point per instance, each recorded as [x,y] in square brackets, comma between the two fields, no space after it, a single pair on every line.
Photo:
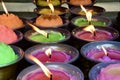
[60,71]
[56,56]
[110,72]
[99,55]
[100,35]
[95,33]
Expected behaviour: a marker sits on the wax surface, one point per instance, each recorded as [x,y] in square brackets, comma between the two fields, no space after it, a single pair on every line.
[39,75]
[57,56]
[88,36]
[7,35]
[11,20]
[45,3]
[99,55]
[84,22]
[111,72]
[52,37]
[7,54]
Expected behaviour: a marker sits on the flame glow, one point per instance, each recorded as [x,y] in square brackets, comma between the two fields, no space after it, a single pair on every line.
[43,67]
[51,7]
[88,13]
[48,0]
[90,28]
[104,50]
[48,52]
[4,7]
[38,30]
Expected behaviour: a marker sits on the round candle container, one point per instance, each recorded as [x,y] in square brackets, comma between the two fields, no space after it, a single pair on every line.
[59,71]
[93,51]
[73,3]
[51,20]
[96,10]
[54,36]
[101,34]
[60,53]
[44,3]
[81,21]
[46,10]
[8,71]
[105,71]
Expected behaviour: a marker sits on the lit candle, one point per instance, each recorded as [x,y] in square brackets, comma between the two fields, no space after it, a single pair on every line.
[59,71]
[89,34]
[109,51]
[53,53]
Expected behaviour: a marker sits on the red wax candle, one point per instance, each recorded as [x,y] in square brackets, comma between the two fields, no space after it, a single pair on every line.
[56,56]
[39,75]
[99,55]
[99,35]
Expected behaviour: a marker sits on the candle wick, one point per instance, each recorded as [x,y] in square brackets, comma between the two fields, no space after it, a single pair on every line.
[94,33]
[50,56]
[51,77]
[89,22]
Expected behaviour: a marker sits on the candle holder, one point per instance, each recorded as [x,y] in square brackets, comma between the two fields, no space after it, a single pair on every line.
[81,21]
[71,71]
[69,54]
[80,34]
[85,3]
[62,33]
[94,72]
[96,10]
[9,70]
[61,11]
[113,46]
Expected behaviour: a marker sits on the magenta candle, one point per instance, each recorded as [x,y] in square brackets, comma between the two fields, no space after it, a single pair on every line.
[100,34]
[56,56]
[59,53]
[59,71]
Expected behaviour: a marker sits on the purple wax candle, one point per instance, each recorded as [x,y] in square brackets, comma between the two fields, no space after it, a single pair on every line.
[94,52]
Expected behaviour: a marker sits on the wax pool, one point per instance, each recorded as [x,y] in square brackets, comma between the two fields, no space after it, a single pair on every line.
[39,75]
[7,54]
[99,55]
[99,35]
[84,22]
[110,72]
[52,37]
[56,56]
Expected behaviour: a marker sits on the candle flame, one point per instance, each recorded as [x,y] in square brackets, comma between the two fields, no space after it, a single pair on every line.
[88,13]
[48,52]
[90,28]
[4,7]
[48,0]
[104,50]
[43,67]
[51,7]
[38,30]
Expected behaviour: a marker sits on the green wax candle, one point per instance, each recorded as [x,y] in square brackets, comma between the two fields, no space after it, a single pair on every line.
[52,37]
[84,22]
[7,54]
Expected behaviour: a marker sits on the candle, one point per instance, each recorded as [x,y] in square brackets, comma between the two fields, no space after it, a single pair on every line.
[101,33]
[58,53]
[105,71]
[9,60]
[9,36]
[96,10]
[10,20]
[93,51]
[54,36]
[59,71]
